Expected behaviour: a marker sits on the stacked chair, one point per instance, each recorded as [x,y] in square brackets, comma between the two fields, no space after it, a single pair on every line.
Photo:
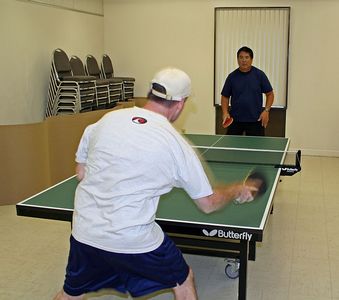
[102,92]
[107,71]
[115,85]
[67,93]
[75,88]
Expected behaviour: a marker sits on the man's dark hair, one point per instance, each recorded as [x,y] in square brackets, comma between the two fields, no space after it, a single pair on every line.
[247,50]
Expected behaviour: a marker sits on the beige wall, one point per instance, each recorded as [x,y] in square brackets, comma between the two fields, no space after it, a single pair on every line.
[143,36]
[157,34]
[29,33]
[312,115]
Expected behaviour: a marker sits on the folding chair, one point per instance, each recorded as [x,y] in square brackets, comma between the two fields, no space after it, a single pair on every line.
[115,85]
[108,72]
[101,86]
[67,93]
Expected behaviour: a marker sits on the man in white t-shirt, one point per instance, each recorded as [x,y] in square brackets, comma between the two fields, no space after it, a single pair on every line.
[126,161]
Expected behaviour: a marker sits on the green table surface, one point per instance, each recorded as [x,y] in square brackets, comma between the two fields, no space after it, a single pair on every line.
[178,207]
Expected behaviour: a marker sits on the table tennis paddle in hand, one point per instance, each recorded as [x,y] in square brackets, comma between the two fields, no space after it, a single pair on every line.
[254,184]
[257,178]
[227,121]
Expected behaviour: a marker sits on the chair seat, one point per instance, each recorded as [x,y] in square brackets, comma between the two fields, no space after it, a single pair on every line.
[78,78]
[115,80]
[102,82]
[125,78]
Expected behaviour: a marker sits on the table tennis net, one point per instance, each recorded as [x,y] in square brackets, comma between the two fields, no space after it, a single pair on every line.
[247,156]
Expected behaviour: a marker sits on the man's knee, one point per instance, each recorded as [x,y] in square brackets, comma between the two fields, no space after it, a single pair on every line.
[186,291]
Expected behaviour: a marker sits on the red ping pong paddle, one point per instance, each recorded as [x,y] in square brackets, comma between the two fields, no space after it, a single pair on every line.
[227,122]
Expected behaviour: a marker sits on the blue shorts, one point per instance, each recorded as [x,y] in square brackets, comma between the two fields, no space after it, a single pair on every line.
[90,269]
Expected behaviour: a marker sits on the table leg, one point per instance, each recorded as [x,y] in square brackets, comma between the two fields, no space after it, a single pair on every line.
[252,250]
[242,286]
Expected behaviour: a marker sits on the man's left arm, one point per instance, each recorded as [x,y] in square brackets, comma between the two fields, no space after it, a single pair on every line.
[265,115]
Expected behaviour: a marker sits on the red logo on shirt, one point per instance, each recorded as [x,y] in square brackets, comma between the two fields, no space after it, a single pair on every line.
[139,120]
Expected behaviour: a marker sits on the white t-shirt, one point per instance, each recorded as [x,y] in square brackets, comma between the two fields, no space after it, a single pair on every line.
[132,157]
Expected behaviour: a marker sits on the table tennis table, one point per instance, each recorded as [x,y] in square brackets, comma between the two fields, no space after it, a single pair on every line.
[231,232]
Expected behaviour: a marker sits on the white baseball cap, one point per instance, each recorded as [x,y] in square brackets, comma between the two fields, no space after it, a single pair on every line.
[176,84]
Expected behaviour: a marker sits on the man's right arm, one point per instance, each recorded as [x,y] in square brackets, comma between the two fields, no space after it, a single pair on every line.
[191,176]
[223,195]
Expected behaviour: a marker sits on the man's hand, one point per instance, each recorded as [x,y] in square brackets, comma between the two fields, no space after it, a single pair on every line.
[80,171]
[225,116]
[227,121]
[264,118]
[246,194]
[254,185]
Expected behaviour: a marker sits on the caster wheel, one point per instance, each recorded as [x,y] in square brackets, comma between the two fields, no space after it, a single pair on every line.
[232,270]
